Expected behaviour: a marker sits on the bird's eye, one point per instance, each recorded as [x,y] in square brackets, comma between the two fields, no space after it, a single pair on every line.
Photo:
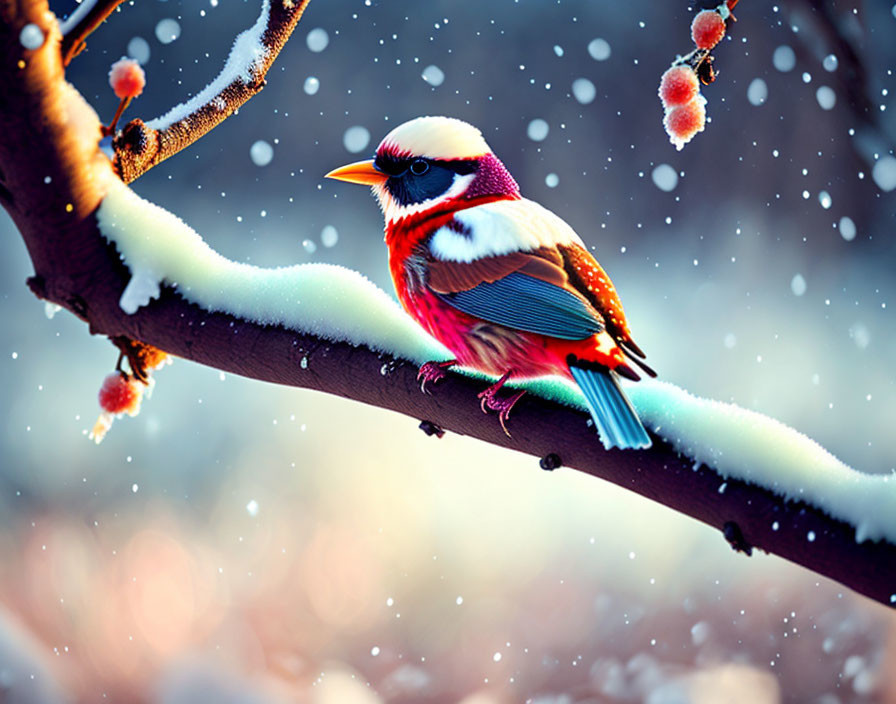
[419,167]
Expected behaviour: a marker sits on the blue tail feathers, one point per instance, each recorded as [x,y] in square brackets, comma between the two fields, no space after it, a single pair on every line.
[613,414]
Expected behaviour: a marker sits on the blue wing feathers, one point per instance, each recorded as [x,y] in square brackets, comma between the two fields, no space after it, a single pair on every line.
[522,302]
[613,414]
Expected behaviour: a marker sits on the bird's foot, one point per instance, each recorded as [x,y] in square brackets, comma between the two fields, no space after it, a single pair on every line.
[433,372]
[489,401]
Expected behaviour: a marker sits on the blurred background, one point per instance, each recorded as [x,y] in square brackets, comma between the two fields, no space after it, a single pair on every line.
[241,542]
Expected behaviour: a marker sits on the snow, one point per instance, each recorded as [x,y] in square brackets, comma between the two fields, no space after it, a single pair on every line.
[243,63]
[584,91]
[798,285]
[167,30]
[757,92]
[51,309]
[599,49]
[744,444]
[356,139]
[665,177]
[433,75]
[537,130]
[339,304]
[31,37]
[329,236]
[741,444]
[826,97]
[327,300]
[312,85]
[138,49]
[80,13]
[847,228]
[884,173]
[141,289]
[261,153]
[784,58]
[317,40]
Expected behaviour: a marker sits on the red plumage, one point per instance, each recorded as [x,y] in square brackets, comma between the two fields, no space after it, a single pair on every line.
[503,283]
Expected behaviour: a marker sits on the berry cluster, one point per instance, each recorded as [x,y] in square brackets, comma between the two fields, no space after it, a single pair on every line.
[122,393]
[679,91]
[685,107]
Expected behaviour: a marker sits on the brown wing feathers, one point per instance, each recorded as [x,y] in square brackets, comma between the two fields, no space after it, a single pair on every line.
[449,277]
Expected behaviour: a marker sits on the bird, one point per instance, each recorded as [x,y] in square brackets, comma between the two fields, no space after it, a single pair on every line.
[504,283]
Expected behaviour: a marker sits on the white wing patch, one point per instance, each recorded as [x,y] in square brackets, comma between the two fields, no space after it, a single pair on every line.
[501,227]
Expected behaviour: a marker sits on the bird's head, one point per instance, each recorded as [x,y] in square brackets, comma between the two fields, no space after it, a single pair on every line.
[428,162]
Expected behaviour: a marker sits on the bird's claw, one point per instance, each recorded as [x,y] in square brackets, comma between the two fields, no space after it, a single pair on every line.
[433,372]
[489,401]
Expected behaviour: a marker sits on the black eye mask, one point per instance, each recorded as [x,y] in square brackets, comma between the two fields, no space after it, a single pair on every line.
[417,180]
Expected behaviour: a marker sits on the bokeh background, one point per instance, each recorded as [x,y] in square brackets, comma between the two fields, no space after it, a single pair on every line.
[240,542]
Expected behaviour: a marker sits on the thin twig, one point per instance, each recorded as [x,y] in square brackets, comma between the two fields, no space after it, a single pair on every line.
[86,19]
[140,145]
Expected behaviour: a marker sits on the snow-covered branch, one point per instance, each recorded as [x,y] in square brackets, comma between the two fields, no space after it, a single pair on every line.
[141,145]
[131,269]
[89,15]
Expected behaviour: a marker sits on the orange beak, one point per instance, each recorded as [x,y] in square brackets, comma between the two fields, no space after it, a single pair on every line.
[363,172]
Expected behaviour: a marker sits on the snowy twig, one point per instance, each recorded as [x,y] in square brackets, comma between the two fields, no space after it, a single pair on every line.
[89,15]
[60,189]
[141,145]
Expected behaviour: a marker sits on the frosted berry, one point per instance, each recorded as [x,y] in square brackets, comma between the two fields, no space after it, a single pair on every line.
[120,394]
[678,86]
[127,78]
[707,29]
[684,121]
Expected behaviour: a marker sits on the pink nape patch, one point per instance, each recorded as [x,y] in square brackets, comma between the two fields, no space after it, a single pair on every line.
[492,179]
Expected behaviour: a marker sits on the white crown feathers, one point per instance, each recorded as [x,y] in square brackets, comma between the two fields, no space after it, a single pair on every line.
[435,138]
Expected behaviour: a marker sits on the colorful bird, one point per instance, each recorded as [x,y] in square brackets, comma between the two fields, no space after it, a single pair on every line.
[501,281]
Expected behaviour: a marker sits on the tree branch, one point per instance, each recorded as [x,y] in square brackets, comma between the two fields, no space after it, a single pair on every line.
[89,15]
[53,134]
[140,145]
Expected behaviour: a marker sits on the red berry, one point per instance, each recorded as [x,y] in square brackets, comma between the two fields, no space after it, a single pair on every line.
[120,394]
[127,78]
[707,29]
[684,121]
[678,86]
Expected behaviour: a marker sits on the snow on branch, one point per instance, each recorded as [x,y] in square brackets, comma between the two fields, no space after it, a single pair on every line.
[329,329]
[141,145]
[75,28]
[340,305]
